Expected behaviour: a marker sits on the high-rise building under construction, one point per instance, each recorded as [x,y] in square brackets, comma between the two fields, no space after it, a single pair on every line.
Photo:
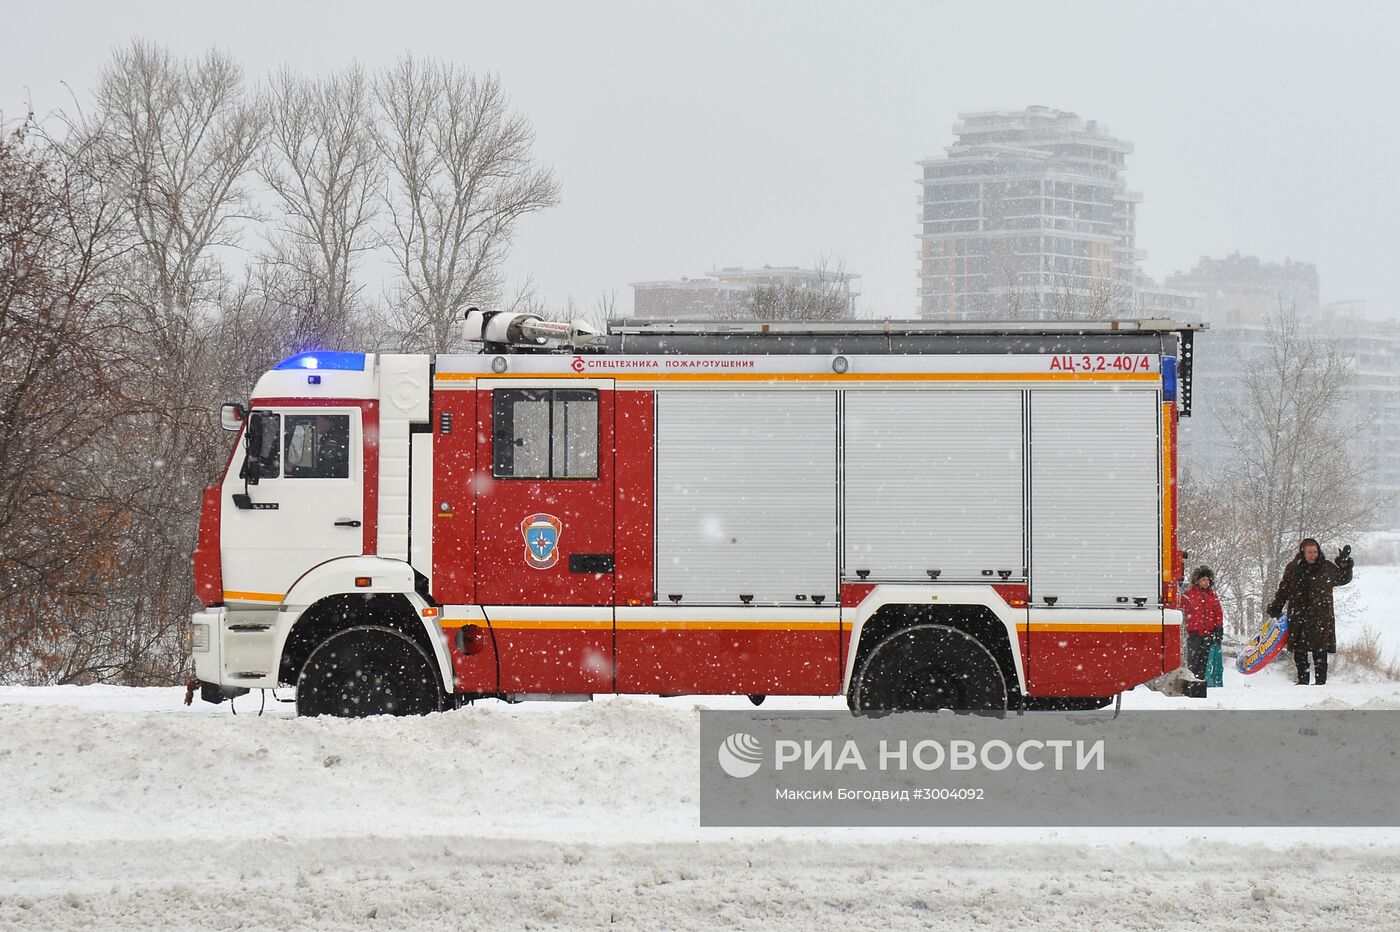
[1027,215]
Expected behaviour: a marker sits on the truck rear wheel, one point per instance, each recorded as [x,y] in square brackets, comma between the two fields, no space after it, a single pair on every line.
[925,668]
[368,671]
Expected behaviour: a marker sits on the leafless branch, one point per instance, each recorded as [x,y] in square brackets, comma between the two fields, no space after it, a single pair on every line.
[460,175]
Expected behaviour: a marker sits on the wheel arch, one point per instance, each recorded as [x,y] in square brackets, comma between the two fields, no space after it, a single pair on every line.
[326,599]
[978,621]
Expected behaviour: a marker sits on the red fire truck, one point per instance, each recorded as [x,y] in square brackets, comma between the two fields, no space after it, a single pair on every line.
[912,514]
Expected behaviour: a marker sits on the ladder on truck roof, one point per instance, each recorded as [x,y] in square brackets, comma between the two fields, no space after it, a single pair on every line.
[504,332]
[893,326]
[499,329]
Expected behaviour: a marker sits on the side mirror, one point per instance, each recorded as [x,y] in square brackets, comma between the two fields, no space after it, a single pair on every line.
[253,443]
[231,416]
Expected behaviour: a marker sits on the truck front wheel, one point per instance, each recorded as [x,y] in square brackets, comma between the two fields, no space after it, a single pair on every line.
[929,667]
[368,671]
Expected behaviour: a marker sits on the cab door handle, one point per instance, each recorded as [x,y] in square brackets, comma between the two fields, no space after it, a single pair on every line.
[347,522]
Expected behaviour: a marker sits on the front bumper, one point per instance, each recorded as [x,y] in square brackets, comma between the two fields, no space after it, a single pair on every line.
[207,628]
[235,647]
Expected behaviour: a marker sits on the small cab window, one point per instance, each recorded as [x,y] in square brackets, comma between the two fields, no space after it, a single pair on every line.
[269,448]
[541,433]
[316,446]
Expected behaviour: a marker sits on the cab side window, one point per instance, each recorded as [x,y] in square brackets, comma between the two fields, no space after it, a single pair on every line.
[316,446]
[542,433]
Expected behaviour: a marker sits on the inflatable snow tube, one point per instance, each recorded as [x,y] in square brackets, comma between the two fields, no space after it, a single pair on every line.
[1267,645]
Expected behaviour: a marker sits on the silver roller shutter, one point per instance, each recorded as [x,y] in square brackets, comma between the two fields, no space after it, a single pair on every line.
[934,480]
[1095,512]
[745,496]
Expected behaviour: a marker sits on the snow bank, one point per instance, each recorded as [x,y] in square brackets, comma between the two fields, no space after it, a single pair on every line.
[123,809]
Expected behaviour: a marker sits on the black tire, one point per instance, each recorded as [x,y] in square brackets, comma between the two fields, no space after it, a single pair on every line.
[926,668]
[368,671]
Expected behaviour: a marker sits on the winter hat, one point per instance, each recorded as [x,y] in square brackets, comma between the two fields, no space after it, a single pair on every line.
[1301,558]
[1202,571]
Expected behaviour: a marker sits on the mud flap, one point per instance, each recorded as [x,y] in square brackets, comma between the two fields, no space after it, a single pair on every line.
[213,692]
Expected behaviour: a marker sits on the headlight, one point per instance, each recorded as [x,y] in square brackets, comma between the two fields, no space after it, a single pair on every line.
[199,637]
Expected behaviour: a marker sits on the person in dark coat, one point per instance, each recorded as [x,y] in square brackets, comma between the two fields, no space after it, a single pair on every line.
[1306,591]
[1205,620]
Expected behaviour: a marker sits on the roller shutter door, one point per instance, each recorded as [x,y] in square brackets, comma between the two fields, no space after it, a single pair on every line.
[746,496]
[1095,512]
[934,480]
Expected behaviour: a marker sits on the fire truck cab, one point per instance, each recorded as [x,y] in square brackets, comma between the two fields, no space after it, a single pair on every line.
[912,514]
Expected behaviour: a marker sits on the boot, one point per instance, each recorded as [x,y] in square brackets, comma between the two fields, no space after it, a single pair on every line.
[1320,661]
[1302,666]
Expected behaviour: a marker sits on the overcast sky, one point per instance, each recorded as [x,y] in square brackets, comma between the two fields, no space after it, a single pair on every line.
[689,136]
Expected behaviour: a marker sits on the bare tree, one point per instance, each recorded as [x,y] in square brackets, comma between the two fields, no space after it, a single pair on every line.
[272,312]
[825,295]
[121,329]
[604,308]
[1214,530]
[1289,474]
[1067,299]
[1019,304]
[322,163]
[461,173]
[59,523]
[181,136]
[177,137]
[1105,298]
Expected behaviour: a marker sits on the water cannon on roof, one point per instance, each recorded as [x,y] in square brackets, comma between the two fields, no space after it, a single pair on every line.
[514,329]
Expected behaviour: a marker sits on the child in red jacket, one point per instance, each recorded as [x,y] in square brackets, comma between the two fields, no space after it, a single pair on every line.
[1205,620]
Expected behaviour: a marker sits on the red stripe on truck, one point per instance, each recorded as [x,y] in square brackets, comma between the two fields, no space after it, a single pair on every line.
[207,557]
[1091,663]
[634,497]
[454,505]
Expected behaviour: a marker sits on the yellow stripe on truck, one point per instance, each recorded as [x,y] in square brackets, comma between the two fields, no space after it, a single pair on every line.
[252,596]
[603,625]
[730,625]
[1091,628]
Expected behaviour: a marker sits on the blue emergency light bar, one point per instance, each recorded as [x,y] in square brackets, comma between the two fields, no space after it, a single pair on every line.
[351,362]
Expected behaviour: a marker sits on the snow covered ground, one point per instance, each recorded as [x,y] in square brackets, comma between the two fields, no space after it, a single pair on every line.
[1371,601]
[121,808]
